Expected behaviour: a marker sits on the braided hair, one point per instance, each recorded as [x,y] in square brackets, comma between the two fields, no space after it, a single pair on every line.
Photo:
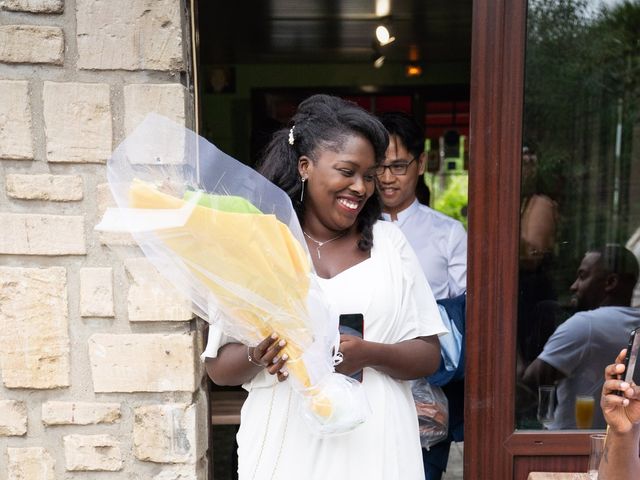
[324,122]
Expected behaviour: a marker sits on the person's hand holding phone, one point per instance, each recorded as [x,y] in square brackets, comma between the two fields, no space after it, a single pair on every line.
[621,412]
[352,345]
[353,351]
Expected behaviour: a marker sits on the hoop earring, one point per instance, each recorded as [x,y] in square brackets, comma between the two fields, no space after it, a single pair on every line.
[303,179]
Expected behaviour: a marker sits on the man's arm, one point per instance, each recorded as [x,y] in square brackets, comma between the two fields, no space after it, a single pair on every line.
[620,459]
[622,413]
[565,349]
[541,373]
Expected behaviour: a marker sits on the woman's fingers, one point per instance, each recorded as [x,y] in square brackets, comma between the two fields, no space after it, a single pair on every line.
[264,345]
[277,367]
[610,393]
[614,385]
[633,392]
[272,352]
[614,371]
[268,353]
[268,349]
[277,364]
[612,401]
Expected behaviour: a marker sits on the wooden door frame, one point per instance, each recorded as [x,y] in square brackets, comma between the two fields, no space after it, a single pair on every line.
[493,449]
[497,65]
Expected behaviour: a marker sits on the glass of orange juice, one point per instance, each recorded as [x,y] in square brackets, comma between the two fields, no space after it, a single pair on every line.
[584,411]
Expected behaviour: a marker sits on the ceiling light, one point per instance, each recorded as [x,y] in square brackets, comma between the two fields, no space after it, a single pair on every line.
[414,53]
[413,70]
[378,62]
[383,8]
[383,35]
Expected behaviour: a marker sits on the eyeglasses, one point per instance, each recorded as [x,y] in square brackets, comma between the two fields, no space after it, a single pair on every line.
[398,168]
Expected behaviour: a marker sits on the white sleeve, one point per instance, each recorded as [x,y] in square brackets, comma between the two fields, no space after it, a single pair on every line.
[216,339]
[418,315]
[457,268]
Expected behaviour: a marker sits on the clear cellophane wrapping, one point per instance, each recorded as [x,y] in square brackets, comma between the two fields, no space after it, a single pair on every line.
[229,240]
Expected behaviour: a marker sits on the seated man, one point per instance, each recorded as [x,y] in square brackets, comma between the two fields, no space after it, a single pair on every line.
[622,413]
[580,348]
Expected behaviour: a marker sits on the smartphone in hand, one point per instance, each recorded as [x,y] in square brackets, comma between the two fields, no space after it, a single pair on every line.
[631,372]
[352,324]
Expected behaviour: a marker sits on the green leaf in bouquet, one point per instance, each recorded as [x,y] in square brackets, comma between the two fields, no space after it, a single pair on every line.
[224,203]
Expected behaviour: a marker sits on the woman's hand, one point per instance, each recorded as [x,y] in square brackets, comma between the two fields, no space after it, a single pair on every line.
[353,351]
[267,354]
[405,360]
[620,412]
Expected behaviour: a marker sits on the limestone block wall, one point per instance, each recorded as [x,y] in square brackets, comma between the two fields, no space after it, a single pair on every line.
[99,368]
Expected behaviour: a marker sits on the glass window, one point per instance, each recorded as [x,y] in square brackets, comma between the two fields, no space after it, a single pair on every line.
[580,207]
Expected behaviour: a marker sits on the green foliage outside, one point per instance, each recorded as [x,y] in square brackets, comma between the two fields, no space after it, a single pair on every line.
[452,197]
[582,88]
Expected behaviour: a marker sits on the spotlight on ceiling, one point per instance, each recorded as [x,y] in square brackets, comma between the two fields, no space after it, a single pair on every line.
[379,62]
[383,8]
[383,35]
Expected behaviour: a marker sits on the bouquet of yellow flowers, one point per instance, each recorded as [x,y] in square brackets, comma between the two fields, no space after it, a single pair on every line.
[230,240]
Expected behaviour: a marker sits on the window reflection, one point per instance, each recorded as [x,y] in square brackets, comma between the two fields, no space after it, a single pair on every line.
[580,206]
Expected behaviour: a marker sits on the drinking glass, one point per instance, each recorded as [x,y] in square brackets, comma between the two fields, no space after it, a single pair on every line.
[597,447]
[546,404]
[584,411]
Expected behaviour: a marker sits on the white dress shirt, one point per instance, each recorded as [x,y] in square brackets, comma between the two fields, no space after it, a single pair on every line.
[440,242]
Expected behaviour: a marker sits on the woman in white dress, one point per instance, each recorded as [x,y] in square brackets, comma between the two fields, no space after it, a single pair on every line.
[327,161]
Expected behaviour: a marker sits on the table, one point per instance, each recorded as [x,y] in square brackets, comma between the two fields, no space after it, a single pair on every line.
[557,476]
[225,407]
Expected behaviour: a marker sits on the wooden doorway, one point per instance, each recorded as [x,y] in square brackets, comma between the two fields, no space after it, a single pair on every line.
[595,150]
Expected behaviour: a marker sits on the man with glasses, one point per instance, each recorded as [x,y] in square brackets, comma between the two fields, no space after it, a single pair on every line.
[440,242]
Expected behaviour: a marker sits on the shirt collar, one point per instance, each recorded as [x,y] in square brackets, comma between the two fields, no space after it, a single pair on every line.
[404,214]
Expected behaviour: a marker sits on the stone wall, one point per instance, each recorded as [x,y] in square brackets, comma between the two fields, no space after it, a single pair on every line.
[98,354]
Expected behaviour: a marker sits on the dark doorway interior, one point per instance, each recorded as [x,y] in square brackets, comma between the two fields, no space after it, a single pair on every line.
[258,60]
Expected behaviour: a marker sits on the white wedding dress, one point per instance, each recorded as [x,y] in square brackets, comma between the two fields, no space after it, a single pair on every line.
[274,442]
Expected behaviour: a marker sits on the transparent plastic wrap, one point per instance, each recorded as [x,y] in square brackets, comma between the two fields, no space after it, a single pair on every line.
[432,407]
[229,240]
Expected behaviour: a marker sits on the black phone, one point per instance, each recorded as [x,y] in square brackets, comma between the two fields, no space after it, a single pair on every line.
[352,324]
[631,372]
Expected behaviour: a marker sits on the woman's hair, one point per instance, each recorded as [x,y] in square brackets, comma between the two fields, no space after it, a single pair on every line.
[324,122]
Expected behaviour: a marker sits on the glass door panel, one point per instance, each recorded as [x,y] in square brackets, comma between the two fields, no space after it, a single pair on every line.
[579,240]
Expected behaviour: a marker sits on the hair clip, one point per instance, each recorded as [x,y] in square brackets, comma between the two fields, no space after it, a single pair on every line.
[291,135]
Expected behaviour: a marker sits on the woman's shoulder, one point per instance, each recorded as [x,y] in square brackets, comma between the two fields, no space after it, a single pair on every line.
[388,232]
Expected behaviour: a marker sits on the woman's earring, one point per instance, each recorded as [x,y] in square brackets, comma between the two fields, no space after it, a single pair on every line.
[303,179]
